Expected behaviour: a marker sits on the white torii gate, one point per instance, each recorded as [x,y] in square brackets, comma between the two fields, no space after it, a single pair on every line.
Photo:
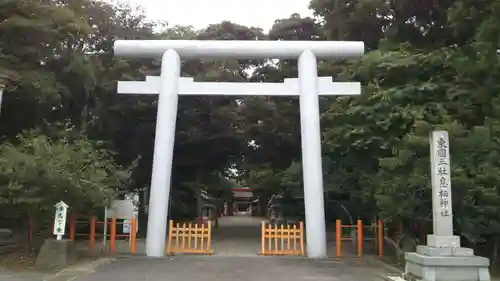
[170,85]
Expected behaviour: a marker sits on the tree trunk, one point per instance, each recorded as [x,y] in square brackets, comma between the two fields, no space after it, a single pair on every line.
[199,199]
[494,254]
[263,206]
[422,230]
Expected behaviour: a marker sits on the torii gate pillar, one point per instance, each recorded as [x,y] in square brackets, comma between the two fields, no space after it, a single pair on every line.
[171,52]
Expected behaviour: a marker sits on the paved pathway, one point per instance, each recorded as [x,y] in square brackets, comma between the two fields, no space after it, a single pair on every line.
[236,243]
[220,268]
[22,276]
[237,236]
[241,236]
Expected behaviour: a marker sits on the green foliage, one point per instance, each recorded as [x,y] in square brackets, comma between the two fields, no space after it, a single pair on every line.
[37,171]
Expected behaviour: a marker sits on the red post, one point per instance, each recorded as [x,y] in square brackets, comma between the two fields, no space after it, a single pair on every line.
[93,222]
[360,238]
[31,228]
[338,238]
[51,228]
[72,227]
[380,236]
[133,235]
[112,234]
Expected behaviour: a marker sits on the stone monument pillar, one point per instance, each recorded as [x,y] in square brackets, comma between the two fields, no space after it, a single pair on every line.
[442,259]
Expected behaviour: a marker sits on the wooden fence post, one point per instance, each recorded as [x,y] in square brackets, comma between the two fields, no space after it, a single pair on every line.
[72,227]
[338,238]
[380,236]
[301,224]
[112,238]
[360,238]
[31,227]
[170,238]
[263,238]
[209,242]
[92,232]
[133,235]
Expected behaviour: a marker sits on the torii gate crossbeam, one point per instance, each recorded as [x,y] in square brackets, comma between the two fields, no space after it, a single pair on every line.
[169,87]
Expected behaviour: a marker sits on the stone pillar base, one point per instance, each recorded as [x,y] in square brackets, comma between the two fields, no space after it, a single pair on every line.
[446,264]
[56,253]
[438,241]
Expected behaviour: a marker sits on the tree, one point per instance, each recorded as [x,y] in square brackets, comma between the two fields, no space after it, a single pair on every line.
[37,171]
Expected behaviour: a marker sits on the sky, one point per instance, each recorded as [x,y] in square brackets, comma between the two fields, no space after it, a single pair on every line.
[200,13]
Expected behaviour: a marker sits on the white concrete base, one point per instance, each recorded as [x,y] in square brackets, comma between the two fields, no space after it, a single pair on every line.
[445,252]
[446,268]
[395,278]
[443,241]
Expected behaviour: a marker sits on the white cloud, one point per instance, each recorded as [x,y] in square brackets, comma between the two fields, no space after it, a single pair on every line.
[201,13]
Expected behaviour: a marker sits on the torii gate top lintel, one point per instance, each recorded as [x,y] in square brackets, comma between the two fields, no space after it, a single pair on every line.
[238,49]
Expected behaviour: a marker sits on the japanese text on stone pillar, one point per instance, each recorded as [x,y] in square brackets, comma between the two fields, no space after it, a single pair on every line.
[443,165]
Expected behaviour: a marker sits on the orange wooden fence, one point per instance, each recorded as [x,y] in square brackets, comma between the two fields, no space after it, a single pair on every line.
[379,236]
[282,240]
[112,224]
[189,238]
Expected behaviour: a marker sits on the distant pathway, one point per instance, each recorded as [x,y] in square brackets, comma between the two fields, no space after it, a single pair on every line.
[241,236]
[237,236]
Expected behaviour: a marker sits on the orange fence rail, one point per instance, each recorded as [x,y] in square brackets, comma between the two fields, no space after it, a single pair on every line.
[112,224]
[189,238]
[282,240]
[379,237]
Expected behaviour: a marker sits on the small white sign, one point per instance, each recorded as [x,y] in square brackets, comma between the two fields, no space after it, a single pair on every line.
[126,226]
[60,219]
